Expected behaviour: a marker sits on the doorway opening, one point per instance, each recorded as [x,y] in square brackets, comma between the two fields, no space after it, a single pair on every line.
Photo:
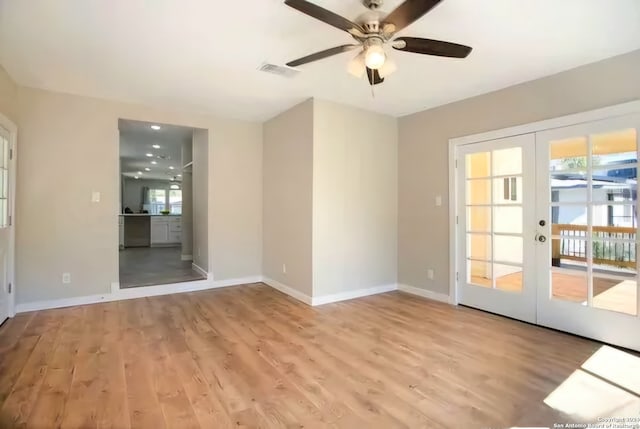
[163,203]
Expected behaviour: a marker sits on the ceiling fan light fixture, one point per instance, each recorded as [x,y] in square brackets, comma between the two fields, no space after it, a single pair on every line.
[356,66]
[374,56]
[387,68]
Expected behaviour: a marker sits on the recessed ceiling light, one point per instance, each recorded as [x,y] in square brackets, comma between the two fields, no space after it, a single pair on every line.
[155,127]
[153,162]
[156,146]
[179,175]
[171,167]
[136,177]
[150,155]
[147,169]
[139,173]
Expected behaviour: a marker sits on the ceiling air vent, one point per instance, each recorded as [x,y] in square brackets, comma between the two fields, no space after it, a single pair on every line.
[279,70]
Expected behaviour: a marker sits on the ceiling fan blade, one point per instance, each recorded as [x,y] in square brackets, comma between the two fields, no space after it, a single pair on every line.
[387,68]
[356,66]
[324,15]
[431,47]
[322,54]
[409,12]
[374,77]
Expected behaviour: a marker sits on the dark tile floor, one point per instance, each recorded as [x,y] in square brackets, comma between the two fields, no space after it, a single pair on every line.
[146,266]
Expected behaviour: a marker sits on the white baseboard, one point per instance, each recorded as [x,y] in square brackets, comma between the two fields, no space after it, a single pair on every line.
[186,257]
[118,294]
[64,302]
[436,296]
[343,296]
[200,270]
[146,291]
[288,290]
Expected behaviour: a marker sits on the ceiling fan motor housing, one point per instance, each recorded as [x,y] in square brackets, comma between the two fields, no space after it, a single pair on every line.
[372,4]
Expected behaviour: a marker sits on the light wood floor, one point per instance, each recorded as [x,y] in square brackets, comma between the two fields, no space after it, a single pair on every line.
[250,356]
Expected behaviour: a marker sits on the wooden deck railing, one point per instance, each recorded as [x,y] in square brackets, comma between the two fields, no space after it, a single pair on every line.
[618,254]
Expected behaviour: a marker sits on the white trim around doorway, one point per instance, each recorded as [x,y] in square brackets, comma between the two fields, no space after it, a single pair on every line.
[12,128]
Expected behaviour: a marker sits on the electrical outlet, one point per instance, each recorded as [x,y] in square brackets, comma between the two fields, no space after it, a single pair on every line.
[430,274]
[66,278]
[284,268]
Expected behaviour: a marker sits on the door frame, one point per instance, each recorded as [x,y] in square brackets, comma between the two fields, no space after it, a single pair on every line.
[12,128]
[533,127]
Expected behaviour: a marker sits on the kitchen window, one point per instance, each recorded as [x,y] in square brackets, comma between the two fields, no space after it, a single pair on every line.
[157,200]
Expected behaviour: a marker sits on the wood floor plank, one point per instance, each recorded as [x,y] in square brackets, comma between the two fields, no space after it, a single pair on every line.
[20,402]
[252,357]
[51,402]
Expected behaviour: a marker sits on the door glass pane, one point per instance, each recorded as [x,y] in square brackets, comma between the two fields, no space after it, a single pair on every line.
[508,219]
[569,187]
[479,219]
[619,184]
[479,246]
[507,190]
[570,285]
[478,164]
[508,277]
[618,146]
[479,191]
[507,161]
[569,221]
[614,221]
[507,248]
[568,154]
[479,273]
[617,257]
[616,294]
[5,153]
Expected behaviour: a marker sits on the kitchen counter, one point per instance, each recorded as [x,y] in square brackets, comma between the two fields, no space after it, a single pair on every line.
[149,215]
[148,230]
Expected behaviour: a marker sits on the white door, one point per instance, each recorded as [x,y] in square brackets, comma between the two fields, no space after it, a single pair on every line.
[496,226]
[6,249]
[587,201]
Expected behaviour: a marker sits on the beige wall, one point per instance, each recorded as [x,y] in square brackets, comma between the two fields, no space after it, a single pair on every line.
[69,147]
[8,96]
[423,228]
[355,172]
[200,189]
[287,185]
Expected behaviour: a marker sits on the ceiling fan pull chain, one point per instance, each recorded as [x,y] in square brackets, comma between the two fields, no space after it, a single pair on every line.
[373,93]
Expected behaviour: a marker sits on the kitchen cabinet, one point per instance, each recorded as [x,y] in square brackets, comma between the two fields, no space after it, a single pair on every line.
[166,230]
[121,232]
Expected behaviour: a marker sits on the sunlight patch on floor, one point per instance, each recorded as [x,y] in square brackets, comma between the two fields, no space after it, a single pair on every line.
[606,386]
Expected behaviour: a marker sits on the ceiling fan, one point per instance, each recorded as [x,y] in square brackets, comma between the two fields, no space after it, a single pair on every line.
[373,30]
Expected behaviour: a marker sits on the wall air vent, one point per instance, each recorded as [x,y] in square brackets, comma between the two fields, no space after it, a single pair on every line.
[279,70]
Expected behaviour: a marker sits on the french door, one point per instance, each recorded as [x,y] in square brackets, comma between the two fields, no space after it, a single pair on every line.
[496,182]
[6,250]
[548,228]
[587,195]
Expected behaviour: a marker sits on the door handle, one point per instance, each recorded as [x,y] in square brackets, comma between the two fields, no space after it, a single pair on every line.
[542,238]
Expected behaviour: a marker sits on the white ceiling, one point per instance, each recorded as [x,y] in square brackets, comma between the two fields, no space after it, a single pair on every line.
[203,54]
[137,140]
